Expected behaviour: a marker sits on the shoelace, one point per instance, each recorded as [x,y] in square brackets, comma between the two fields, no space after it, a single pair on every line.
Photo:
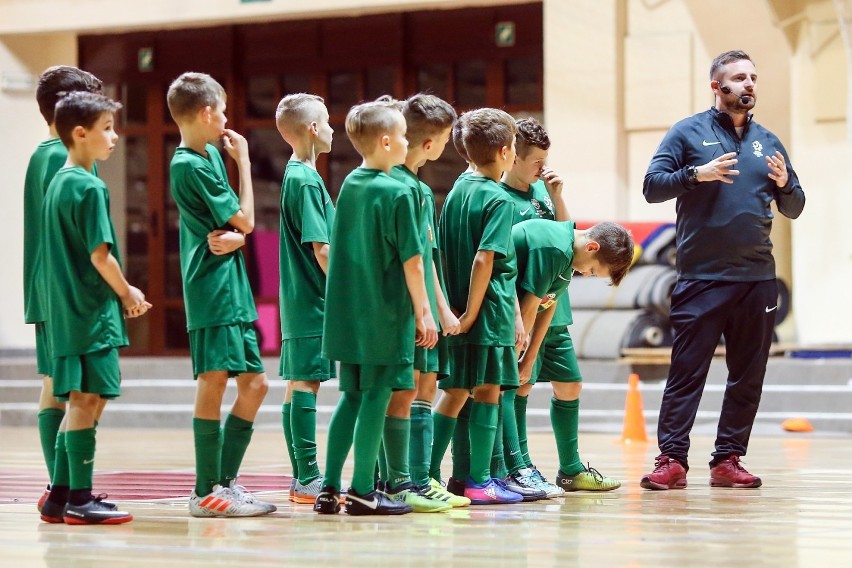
[595,473]
[101,497]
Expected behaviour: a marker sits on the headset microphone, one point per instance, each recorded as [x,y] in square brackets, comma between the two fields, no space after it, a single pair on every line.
[727,90]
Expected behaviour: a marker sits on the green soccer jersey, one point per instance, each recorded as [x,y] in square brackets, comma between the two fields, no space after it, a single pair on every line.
[369,319]
[545,251]
[307,216]
[477,215]
[423,195]
[536,204]
[85,313]
[216,289]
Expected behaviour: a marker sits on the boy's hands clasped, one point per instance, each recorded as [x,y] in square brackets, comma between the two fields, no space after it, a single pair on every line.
[134,303]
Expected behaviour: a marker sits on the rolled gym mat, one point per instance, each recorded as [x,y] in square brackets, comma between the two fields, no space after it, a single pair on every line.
[645,286]
[602,334]
[659,247]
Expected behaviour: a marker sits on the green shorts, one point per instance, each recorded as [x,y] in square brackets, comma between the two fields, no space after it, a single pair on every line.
[302,360]
[232,348]
[475,365]
[427,360]
[43,354]
[92,373]
[355,377]
[557,360]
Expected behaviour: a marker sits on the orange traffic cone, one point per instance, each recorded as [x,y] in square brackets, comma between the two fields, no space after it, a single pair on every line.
[634,415]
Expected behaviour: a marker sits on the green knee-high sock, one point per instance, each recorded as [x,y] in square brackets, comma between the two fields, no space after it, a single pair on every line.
[396,436]
[382,463]
[368,436]
[498,461]
[511,441]
[521,420]
[235,440]
[49,420]
[420,446]
[565,418]
[340,432]
[443,427]
[483,428]
[80,445]
[61,476]
[286,409]
[208,454]
[461,444]
[303,421]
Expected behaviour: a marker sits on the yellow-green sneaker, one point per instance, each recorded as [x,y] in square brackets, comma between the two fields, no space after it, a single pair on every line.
[589,479]
[435,490]
[411,495]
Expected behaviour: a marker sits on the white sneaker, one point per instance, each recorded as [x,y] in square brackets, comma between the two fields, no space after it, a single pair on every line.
[242,493]
[221,502]
[543,484]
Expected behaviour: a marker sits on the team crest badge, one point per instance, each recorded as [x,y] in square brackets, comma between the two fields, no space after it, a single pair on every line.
[758,148]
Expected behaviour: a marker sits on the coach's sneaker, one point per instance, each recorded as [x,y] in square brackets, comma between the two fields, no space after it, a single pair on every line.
[306,494]
[523,486]
[730,473]
[492,492]
[540,482]
[410,494]
[222,502]
[667,474]
[95,512]
[243,495]
[374,503]
[456,486]
[43,498]
[589,479]
[436,490]
[327,501]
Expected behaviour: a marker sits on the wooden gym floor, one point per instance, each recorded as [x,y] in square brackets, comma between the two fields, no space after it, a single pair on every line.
[802,516]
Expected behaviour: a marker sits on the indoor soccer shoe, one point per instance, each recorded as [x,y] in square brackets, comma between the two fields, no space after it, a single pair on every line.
[52,512]
[540,482]
[95,512]
[291,497]
[306,494]
[667,474]
[327,501]
[436,490]
[730,473]
[241,493]
[523,486]
[492,492]
[374,503]
[456,486]
[589,479]
[43,498]
[411,495]
[221,502]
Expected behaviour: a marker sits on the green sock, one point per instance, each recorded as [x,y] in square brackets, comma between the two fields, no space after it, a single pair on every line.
[511,441]
[498,461]
[80,445]
[61,476]
[382,464]
[49,420]
[443,427]
[565,418]
[303,421]
[286,409]
[235,440]
[208,454]
[483,428]
[420,446]
[396,436]
[521,421]
[368,436]
[461,444]
[340,433]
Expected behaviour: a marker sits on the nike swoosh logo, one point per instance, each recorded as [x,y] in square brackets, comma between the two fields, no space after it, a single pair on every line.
[563,278]
[369,504]
[706,143]
[768,309]
[87,462]
[525,211]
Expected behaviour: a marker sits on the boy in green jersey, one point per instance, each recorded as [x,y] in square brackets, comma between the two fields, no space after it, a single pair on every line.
[548,253]
[43,165]
[475,237]
[87,298]
[404,467]
[307,216]
[220,309]
[377,309]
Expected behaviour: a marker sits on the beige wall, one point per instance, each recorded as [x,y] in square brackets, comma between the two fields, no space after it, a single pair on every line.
[618,73]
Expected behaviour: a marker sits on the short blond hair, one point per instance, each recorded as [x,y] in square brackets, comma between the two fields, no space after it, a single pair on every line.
[192,92]
[485,131]
[298,109]
[367,122]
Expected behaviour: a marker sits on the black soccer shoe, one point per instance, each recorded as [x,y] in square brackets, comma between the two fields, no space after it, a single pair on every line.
[327,501]
[95,512]
[374,503]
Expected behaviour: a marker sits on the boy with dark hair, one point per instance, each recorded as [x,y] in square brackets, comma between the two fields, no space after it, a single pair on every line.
[222,338]
[87,298]
[47,159]
[375,281]
[307,217]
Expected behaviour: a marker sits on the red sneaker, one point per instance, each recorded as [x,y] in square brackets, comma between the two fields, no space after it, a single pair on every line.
[667,474]
[730,473]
